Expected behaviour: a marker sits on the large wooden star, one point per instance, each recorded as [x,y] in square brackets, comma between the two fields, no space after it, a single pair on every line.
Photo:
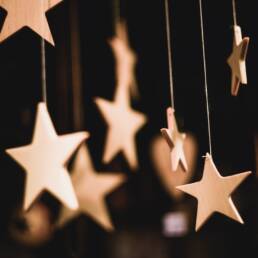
[91,189]
[27,13]
[175,140]
[125,59]
[237,60]
[44,160]
[123,124]
[214,193]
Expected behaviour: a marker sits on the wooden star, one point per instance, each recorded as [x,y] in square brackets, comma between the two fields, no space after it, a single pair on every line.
[214,193]
[125,59]
[175,140]
[27,13]
[91,189]
[44,160]
[237,60]
[123,124]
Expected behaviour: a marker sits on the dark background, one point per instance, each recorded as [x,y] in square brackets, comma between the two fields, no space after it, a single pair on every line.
[138,206]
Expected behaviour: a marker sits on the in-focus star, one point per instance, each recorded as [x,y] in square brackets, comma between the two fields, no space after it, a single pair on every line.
[44,161]
[125,59]
[213,193]
[91,189]
[123,123]
[237,60]
[27,13]
[175,140]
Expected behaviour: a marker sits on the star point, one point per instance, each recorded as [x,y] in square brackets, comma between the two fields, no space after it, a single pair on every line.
[237,60]
[213,193]
[27,13]
[91,189]
[44,161]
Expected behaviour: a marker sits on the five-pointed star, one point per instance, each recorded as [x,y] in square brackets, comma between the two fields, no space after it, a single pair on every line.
[123,124]
[237,61]
[44,160]
[125,59]
[214,193]
[91,189]
[175,140]
[27,13]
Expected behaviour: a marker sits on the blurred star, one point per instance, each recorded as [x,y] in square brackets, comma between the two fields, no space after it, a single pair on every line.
[91,189]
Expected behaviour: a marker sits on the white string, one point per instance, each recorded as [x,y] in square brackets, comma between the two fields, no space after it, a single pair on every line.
[43,71]
[205,77]
[168,30]
[234,12]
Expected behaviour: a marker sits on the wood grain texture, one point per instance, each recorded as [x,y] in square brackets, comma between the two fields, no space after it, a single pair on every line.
[213,193]
[27,13]
[44,161]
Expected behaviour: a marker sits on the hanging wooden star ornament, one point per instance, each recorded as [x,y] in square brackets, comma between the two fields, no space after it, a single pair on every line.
[44,160]
[175,140]
[91,189]
[123,124]
[125,59]
[27,13]
[237,60]
[214,193]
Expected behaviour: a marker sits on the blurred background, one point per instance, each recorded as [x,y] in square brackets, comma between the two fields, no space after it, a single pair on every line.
[150,221]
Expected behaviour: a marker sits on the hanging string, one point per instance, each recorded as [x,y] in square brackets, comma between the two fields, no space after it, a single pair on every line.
[168,32]
[234,12]
[43,71]
[205,77]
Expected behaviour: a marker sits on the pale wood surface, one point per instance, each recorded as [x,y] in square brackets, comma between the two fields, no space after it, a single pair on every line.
[162,161]
[175,141]
[44,161]
[27,13]
[123,124]
[237,60]
[213,193]
[91,189]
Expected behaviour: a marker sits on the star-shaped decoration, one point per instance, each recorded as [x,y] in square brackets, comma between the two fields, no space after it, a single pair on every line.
[91,189]
[175,140]
[123,124]
[27,13]
[125,59]
[214,193]
[237,60]
[44,161]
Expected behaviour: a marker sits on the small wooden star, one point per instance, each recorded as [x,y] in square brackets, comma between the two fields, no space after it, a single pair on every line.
[214,193]
[175,140]
[91,189]
[237,60]
[44,160]
[123,124]
[125,59]
[27,13]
